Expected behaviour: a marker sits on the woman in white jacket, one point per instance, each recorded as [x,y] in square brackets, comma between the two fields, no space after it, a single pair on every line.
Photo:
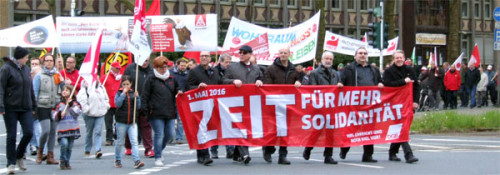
[481,88]
[95,103]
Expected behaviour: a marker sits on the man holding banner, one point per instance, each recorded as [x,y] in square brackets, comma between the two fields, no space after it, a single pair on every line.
[396,76]
[281,71]
[240,73]
[324,75]
[360,73]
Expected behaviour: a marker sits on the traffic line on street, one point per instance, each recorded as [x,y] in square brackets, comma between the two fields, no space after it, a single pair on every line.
[475,145]
[343,163]
[157,169]
[460,140]
[430,146]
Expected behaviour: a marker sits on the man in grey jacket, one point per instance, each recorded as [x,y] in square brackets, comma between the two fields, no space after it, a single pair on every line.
[240,73]
[323,75]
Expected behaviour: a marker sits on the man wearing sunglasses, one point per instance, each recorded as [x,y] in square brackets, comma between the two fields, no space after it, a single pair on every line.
[240,73]
[360,73]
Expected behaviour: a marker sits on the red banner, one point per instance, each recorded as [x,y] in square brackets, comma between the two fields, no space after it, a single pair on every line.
[162,37]
[315,116]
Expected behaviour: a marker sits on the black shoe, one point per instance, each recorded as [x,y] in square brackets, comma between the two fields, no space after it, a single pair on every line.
[246,159]
[215,155]
[393,157]
[411,159]
[207,161]
[329,160]
[267,157]
[283,161]
[98,154]
[342,154]
[229,154]
[306,154]
[369,160]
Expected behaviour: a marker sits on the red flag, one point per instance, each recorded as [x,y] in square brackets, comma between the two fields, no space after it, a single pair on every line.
[154,9]
[475,58]
[458,62]
[139,41]
[88,70]
[193,55]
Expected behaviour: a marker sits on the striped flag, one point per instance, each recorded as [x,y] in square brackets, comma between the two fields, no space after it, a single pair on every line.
[88,70]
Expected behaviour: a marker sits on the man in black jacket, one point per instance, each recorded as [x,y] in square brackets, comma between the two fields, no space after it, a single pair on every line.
[145,130]
[323,75]
[180,75]
[199,77]
[472,77]
[360,73]
[435,77]
[281,71]
[396,76]
[238,74]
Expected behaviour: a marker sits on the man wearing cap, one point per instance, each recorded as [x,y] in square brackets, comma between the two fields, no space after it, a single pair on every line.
[492,82]
[323,75]
[17,103]
[307,71]
[112,85]
[340,69]
[243,73]
[281,71]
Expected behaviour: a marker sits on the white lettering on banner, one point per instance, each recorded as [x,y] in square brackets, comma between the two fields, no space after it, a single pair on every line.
[227,118]
[206,106]
[280,102]
[319,100]
[256,116]
[359,97]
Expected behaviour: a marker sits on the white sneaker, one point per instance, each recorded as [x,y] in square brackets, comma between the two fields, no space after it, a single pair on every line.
[11,169]
[20,164]
[159,163]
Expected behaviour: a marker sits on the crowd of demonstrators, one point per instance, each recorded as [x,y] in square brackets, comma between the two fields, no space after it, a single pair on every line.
[158,101]
[145,130]
[112,83]
[17,104]
[360,73]
[243,72]
[47,85]
[282,71]
[68,128]
[180,74]
[398,75]
[323,75]
[125,99]
[224,61]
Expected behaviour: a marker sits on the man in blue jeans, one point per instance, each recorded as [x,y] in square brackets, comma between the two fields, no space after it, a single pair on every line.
[472,77]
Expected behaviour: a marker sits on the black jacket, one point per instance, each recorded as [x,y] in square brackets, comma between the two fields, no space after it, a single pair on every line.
[16,89]
[434,82]
[324,76]
[143,74]
[200,75]
[395,77]
[472,77]
[349,74]
[279,74]
[158,97]
[125,113]
[180,78]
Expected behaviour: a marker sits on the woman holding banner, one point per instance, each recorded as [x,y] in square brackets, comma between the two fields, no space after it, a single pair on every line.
[398,75]
[47,85]
[158,99]
[17,103]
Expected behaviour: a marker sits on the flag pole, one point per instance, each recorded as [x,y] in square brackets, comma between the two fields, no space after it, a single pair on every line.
[135,97]
[107,73]
[72,93]
[60,55]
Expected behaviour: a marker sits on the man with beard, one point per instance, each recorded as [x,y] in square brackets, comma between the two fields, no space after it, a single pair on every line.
[323,75]
[398,75]
[281,71]
[360,73]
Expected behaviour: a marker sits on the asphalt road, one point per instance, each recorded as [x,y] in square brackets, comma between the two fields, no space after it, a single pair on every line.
[438,155]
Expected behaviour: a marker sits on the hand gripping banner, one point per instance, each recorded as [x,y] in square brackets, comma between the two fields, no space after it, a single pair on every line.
[312,116]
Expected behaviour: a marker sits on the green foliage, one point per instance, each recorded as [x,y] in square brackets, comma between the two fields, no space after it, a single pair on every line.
[451,121]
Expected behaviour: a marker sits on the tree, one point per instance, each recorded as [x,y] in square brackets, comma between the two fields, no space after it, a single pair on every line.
[320,5]
[389,7]
[453,43]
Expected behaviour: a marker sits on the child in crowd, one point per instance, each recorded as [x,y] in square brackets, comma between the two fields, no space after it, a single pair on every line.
[124,118]
[68,129]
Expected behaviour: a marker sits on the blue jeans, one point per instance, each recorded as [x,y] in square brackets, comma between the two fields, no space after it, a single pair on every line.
[123,129]
[25,118]
[179,130]
[66,147]
[472,93]
[94,129]
[164,132]
[37,130]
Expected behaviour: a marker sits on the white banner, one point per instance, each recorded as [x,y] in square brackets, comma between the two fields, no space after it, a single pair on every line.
[344,45]
[192,32]
[37,34]
[302,39]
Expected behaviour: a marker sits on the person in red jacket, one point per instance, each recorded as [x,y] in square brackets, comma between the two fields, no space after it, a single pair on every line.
[112,86]
[452,84]
[71,74]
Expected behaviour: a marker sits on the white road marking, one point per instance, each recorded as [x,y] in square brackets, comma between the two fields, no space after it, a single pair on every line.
[351,164]
[459,140]
[157,169]
[430,146]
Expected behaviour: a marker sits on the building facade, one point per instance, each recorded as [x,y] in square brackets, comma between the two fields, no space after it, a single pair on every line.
[427,25]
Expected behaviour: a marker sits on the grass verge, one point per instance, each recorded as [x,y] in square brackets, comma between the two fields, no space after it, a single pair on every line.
[451,121]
